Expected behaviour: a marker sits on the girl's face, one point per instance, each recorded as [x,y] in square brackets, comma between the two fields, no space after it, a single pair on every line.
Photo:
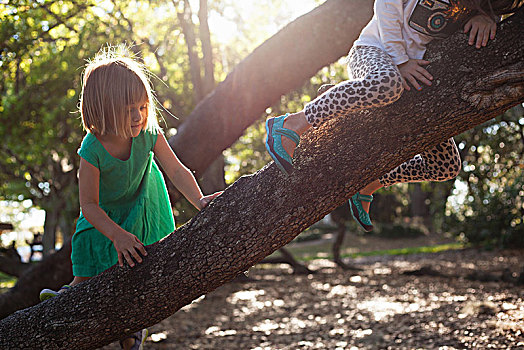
[138,113]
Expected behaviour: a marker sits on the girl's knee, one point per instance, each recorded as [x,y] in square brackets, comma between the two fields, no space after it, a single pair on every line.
[386,87]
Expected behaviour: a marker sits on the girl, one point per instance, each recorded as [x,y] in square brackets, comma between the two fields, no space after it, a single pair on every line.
[123,196]
[385,60]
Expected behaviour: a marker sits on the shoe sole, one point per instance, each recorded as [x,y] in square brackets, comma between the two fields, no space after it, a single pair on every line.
[46,296]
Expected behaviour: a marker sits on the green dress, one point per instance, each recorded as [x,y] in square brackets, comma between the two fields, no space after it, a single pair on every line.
[132,193]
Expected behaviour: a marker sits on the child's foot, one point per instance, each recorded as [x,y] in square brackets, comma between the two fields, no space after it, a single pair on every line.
[135,341]
[281,143]
[287,142]
[283,135]
[49,293]
[358,212]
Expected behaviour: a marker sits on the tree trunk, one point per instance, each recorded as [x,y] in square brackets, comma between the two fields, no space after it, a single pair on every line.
[213,179]
[287,258]
[340,216]
[12,267]
[207,48]
[418,204]
[420,209]
[337,246]
[50,226]
[194,62]
[262,212]
[11,262]
[278,66]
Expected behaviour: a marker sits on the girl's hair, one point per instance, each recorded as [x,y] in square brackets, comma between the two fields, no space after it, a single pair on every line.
[493,8]
[111,82]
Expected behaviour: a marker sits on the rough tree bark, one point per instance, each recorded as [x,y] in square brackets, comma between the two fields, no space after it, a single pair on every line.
[239,101]
[264,211]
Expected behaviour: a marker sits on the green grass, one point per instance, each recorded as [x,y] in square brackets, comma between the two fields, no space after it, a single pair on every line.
[410,250]
[321,251]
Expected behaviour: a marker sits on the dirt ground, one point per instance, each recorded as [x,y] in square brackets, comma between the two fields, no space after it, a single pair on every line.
[454,302]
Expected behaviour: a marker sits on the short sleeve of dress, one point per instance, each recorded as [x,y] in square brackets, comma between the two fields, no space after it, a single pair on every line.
[151,138]
[87,151]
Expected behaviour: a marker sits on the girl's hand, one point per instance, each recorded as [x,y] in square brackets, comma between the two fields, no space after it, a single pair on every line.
[128,245]
[204,201]
[482,27]
[413,72]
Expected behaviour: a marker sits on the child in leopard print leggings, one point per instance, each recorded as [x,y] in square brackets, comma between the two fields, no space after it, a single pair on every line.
[383,60]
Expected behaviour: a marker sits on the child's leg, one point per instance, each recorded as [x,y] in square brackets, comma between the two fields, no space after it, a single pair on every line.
[375,81]
[439,163]
[77,280]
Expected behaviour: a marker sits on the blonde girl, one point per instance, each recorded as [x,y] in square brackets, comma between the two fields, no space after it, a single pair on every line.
[123,197]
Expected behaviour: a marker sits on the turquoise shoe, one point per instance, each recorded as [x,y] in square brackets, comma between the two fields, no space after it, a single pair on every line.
[274,132]
[358,213]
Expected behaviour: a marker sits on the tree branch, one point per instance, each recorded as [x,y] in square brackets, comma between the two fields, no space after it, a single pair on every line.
[12,267]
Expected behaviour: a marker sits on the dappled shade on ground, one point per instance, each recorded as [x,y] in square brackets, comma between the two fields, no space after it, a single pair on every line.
[380,307]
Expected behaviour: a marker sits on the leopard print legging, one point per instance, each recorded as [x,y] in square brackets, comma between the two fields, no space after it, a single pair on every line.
[375,81]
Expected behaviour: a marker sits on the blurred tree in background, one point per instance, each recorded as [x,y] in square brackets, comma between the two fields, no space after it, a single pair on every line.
[488,204]
[43,46]
[46,44]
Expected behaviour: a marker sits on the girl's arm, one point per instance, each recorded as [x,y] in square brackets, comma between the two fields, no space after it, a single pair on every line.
[126,244]
[179,175]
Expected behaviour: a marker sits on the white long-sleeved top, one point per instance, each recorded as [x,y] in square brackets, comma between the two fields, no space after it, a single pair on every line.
[389,29]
